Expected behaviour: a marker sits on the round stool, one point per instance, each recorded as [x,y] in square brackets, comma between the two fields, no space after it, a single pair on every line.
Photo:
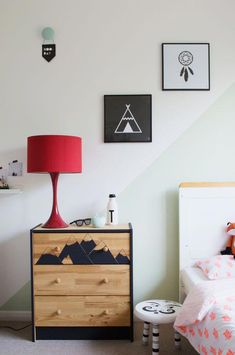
[157,312]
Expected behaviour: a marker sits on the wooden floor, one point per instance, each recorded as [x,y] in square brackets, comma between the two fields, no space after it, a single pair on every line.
[19,343]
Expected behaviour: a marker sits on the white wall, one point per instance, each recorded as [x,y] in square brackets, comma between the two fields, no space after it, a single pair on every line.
[103,47]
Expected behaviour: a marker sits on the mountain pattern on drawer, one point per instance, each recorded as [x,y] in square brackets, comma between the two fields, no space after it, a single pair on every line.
[121,258]
[49,259]
[102,255]
[77,254]
[84,253]
[88,245]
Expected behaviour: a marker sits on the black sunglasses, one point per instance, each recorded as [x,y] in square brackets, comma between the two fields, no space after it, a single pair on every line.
[80,222]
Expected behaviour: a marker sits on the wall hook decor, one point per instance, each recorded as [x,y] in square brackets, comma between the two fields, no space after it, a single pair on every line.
[48,46]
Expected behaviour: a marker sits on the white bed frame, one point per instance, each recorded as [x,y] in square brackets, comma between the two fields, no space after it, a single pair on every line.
[204,210]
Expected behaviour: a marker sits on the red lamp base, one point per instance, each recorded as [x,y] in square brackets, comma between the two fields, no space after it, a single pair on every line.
[55,220]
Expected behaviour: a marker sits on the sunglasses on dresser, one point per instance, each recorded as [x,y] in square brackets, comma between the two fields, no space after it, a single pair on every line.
[81,222]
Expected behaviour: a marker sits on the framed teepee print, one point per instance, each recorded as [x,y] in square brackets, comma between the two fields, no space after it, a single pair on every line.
[127,118]
[185,66]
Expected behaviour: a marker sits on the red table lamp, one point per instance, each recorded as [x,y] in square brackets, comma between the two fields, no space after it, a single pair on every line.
[54,154]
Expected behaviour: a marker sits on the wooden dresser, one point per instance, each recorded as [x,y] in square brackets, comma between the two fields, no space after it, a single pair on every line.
[81,280]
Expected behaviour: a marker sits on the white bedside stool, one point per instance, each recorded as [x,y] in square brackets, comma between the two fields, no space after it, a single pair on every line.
[157,312]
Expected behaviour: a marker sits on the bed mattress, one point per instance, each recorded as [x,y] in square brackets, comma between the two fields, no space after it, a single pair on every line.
[207,316]
[191,276]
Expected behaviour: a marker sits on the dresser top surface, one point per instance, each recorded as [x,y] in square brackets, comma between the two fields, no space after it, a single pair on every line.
[90,228]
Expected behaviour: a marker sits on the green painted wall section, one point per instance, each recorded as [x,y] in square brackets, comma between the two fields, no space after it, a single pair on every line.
[20,301]
[205,152]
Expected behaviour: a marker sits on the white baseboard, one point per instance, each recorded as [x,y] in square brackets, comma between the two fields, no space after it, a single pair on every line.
[17,316]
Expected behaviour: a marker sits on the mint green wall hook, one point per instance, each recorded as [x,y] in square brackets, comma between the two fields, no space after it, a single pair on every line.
[48,34]
[48,46]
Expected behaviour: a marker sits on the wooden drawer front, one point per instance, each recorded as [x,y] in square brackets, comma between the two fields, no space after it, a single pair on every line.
[81,280]
[82,311]
[81,248]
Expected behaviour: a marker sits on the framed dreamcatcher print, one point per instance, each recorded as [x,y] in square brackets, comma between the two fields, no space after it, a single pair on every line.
[185,66]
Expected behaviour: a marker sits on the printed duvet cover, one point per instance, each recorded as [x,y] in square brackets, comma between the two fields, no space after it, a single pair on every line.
[207,317]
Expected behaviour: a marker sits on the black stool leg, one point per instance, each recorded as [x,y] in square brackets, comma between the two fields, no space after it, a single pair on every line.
[155,344]
[177,339]
[145,337]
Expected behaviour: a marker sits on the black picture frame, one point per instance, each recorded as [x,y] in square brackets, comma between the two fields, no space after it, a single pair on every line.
[189,72]
[127,118]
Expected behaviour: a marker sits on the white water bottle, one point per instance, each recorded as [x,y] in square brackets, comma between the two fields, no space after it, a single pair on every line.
[112,210]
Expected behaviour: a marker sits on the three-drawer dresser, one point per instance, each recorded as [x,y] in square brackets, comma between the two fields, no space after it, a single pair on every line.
[81,279]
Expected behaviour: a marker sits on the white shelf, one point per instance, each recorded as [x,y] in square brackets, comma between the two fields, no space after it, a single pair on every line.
[10,191]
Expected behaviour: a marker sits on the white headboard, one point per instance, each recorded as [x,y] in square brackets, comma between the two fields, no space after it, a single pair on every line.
[204,210]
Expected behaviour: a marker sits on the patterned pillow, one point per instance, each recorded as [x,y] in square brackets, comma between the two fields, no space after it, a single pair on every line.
[218,267]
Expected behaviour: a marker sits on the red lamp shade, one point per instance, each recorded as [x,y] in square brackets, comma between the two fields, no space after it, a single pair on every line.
[54,154]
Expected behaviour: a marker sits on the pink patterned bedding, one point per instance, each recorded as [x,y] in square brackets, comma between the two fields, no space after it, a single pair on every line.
[207,317]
